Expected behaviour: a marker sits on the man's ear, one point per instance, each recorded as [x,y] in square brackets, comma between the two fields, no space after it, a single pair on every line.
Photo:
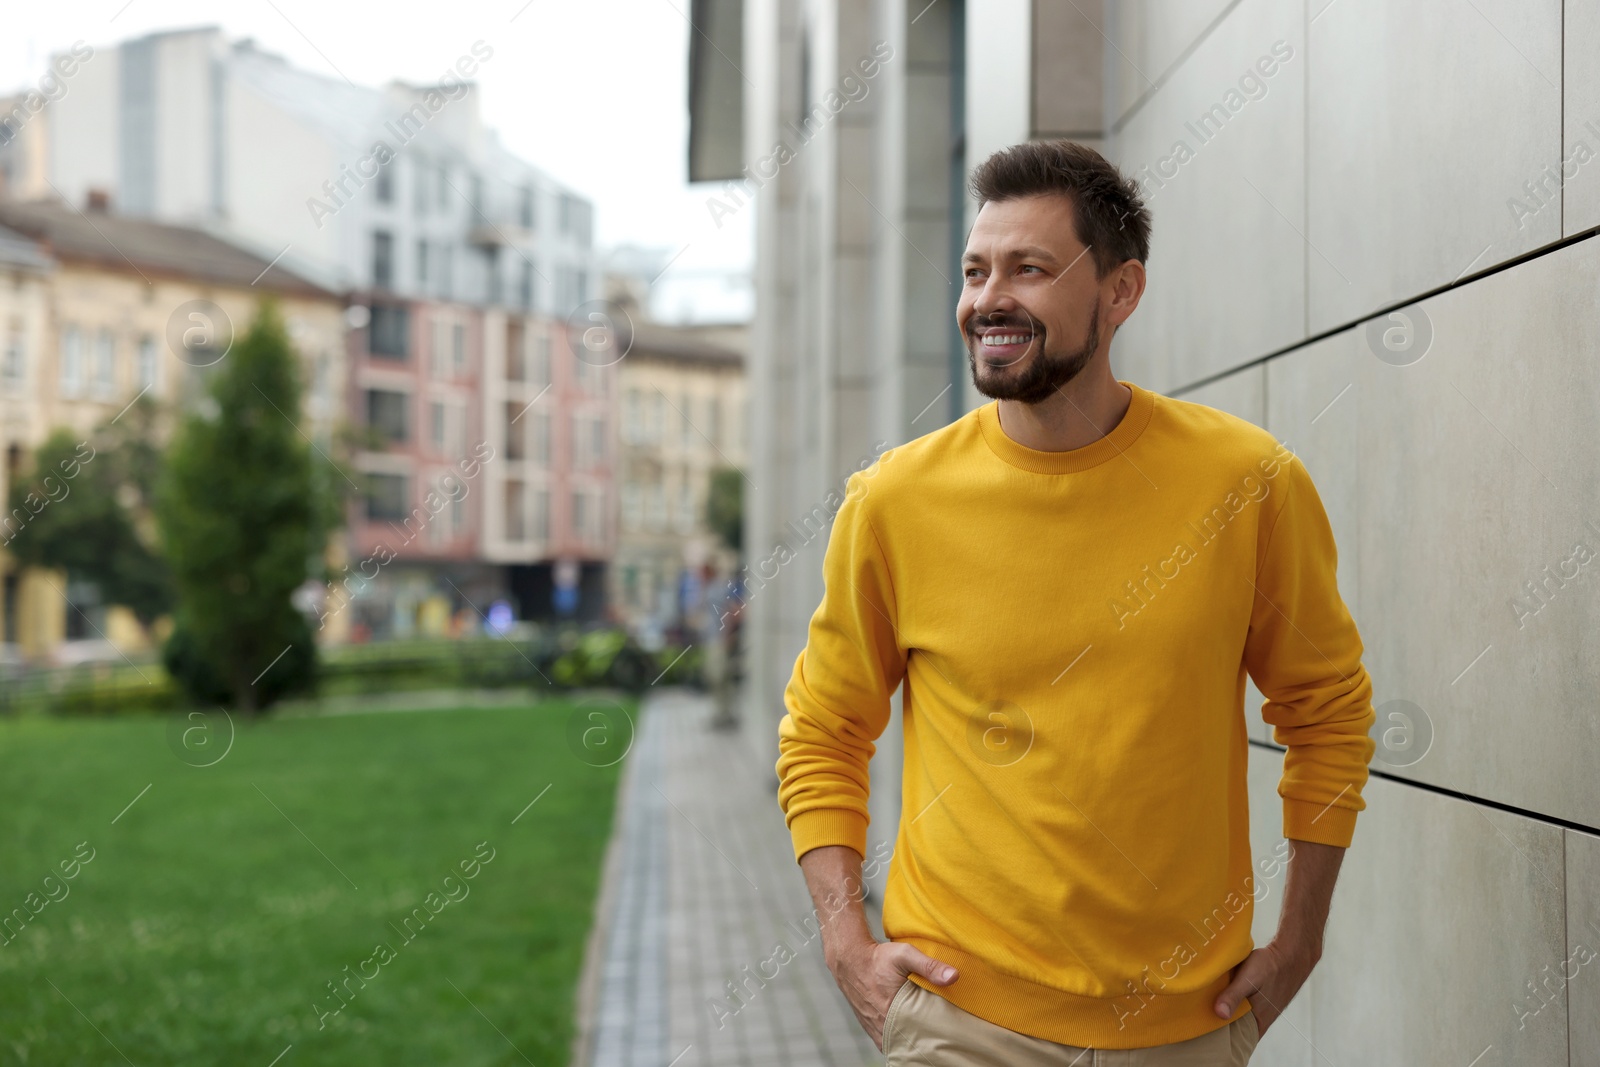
[1127,288]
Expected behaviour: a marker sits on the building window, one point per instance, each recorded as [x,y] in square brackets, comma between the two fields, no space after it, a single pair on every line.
[382,259]
[516,361]
[104,372]
[436,431]
[147,367]
[383,185]
[714,418]
[422,263]
[541,438]
[443,186]
[516,515]
[387,496]
[516,432]
[525,287]
[71,361]
[598,428]
[655,517]
[387,412]
[658,416]
[580,515]
[580,454]
[688,418]
[15,366]
[525,207]
[541,360]
[388,333]
[541,514]
[419,192]
[458,349]
[686,515]
[632,507]
[447,269]
[631,430]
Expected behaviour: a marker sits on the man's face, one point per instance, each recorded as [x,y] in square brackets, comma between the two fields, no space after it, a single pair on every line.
[1030,305]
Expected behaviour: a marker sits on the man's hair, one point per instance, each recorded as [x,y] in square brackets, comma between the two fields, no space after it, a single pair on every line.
[1108,212]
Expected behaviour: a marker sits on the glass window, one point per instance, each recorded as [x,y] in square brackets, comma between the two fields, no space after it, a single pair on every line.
[387,334]
[541,360]
[72,361]
[541,514]
[104,372]
[15,360]
[516,431]
[598,451]
[541,437]
[419,197]
[422,263]
[387,496]
[382,259]
[458,349]
[436,420]
[580,515]
[516,514]
[383,185]
[387,412]
[525,287]
[147,366]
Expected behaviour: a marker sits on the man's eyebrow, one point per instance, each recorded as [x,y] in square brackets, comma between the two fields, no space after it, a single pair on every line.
[1025,252]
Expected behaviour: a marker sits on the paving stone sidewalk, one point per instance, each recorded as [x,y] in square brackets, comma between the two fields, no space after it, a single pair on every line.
[701,890]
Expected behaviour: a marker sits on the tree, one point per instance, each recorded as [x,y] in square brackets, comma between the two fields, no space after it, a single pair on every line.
[84,510]
[244,519]
[725,507]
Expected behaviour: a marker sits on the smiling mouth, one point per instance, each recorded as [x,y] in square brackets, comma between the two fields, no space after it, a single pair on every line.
[1005,339]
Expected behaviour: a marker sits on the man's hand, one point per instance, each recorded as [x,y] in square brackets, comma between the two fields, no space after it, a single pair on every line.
[869,972]
[1272,975]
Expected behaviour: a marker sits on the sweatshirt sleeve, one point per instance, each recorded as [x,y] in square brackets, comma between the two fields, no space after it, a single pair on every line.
[1304,653]
[838,696]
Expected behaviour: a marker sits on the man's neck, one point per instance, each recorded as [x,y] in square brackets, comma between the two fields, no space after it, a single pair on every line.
[1078,414]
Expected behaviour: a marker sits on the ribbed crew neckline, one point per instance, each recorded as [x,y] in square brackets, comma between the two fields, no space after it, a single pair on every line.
[1123,435]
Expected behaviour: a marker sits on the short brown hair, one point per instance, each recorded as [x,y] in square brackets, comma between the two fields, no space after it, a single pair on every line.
[1110,215]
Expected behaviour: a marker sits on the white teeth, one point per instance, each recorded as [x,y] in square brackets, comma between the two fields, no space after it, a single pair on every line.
[1006,338]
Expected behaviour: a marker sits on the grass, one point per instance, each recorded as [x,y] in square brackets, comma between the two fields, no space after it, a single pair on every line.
[218,907]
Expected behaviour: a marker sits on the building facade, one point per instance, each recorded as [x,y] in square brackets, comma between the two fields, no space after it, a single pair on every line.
[683,420]
[449,248]
[100,318]
[1392,266]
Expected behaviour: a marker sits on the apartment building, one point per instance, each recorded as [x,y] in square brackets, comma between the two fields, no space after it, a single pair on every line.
[402,199]
[100,310]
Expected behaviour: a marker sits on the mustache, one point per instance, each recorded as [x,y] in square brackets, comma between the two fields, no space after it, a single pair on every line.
[978,322]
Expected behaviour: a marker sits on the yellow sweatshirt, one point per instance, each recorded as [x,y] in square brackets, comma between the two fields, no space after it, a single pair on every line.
[1073,631]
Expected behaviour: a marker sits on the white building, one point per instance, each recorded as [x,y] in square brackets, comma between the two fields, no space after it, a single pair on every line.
[186,127]
[1363,184]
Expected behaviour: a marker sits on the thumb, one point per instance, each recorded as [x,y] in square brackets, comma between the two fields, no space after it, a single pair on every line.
[912,961]
[1244,984]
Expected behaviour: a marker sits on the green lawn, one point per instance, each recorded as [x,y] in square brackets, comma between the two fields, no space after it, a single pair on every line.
[206,928]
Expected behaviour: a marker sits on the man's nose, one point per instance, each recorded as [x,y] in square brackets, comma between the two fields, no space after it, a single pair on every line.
[994,297]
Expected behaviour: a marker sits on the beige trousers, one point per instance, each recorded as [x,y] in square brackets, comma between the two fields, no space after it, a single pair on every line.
[925,1029]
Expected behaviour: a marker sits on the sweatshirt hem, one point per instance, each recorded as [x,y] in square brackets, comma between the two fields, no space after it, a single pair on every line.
[1127,1021]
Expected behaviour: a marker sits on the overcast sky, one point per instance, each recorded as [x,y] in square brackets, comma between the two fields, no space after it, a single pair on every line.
[592,91]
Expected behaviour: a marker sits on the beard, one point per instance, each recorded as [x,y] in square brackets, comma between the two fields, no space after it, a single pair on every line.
[1038,378]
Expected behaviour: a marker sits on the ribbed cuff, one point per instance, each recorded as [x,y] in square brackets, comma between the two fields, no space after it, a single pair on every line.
[1321,824]
[819,827]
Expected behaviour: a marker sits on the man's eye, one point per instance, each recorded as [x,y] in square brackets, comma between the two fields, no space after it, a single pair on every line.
[973,272]
[1029,267]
